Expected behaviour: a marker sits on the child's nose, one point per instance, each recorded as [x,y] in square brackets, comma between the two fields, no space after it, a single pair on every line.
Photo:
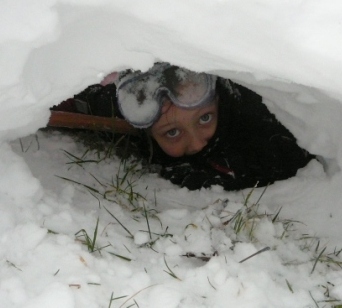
[196,144]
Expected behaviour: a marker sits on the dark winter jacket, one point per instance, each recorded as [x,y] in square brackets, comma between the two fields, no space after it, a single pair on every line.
[250,146]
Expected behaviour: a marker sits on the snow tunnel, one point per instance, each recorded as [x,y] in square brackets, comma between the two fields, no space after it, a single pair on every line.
[63,47]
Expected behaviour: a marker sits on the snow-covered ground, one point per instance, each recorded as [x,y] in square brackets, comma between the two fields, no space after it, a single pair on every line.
[168,247]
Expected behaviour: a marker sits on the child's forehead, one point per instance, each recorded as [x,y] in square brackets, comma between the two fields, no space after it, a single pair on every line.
[167,105]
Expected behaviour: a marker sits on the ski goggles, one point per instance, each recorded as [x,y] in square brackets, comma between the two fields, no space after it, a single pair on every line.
[141,95]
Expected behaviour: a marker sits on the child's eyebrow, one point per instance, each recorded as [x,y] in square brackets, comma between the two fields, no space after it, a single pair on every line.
[164,126]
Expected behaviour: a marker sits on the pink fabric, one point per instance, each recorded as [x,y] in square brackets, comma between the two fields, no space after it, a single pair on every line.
[111,78]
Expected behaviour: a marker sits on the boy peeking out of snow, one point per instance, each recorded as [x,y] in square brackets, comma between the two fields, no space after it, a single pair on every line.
[205,130]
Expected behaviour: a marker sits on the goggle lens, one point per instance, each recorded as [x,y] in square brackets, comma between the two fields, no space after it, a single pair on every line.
[141,95]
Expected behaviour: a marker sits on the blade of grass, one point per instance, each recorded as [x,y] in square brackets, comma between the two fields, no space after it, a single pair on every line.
[93,242]
[78,160]
[135,294]
[72,181]
[148,224]
[118,221]
[121,257]
[97,180]
[21,145]
[313,300]
[170,272]
[289,286]
[211,284]
[274,219]
[93,283]
[114,298]
[254,254]
[317,259]
[263,192]
[250,194]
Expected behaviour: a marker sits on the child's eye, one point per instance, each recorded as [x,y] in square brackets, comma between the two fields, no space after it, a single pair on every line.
[172,133]
[206,118]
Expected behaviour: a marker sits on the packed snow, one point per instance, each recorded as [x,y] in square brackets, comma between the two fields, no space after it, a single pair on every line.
[82,229]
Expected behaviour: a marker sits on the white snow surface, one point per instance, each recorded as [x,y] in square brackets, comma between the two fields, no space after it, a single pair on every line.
[290,52]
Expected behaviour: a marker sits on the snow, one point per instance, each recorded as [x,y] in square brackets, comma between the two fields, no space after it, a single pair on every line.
[178,248]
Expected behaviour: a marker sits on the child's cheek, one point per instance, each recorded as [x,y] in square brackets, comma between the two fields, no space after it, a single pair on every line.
[173,150]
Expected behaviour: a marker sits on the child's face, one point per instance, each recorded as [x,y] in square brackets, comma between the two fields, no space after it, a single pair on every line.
[182,131]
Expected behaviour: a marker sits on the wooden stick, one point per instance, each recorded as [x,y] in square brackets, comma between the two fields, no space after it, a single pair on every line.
[85,121]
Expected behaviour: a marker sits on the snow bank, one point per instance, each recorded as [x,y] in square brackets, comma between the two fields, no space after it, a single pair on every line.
[289,52]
